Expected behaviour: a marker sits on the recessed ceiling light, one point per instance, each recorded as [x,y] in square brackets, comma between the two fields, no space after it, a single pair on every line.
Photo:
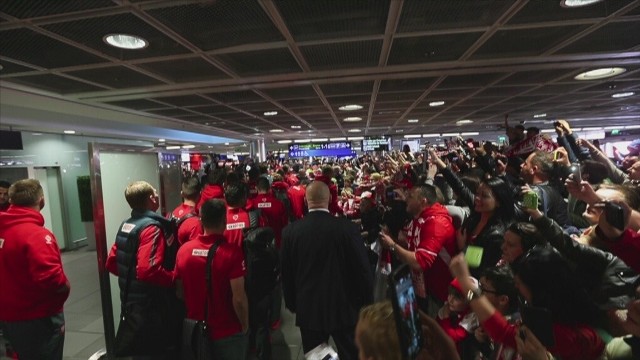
[430,135]
[276,130]
[226,144]
[623,94]
[545,131]
[413,120]
[161,140]
[296,126]
[436,103]
[338,139]
[356,138]
[70,132]
[270,113]
[188,146]
[577,3]
[350,107]
[354,130]
[124,41]
[600,73]
[463,122]
[352,119]
[284,141]
[470,133]
[319,140]
[596,128]
[302,140]
[450,134]
[537,116]
[36,134]
[172,147]
[412,136]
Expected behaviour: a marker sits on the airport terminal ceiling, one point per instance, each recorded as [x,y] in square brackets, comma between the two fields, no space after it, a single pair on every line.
[248,69]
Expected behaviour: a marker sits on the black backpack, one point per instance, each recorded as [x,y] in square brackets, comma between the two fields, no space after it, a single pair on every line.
[281,194]
[177,221]
[262,260]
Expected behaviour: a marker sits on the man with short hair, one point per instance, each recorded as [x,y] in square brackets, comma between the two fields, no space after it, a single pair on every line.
[430,245]
[326,276]
[326,177]
[142,256]
[228,310]
[185,214]
[535,172]
[34,285]
[239,213]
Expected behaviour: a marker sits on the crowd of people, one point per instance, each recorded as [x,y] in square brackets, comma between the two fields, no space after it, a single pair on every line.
[530,251]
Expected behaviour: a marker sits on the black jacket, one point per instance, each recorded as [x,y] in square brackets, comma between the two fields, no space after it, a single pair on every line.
[606,277]
[326,277]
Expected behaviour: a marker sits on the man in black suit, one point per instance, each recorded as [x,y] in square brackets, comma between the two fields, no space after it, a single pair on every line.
[326,278]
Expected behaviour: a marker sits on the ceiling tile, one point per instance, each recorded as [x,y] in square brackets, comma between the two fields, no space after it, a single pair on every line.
[219,24]
[118,77]
[342,55]
[330,19]
[187,100]
[425,49]
[54,83]
[611,37]
[539,11]
[185,70]
[24,9]
[263,62]
[140,104]
[419,15]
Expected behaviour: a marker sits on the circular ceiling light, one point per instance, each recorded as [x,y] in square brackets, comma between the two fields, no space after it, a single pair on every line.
[436,103]
[354,130]
[577,3]
[413,121]
[124,41]
[276,131]
[602,73]
[350,107]
[352,119]
[623,94]
[464,122]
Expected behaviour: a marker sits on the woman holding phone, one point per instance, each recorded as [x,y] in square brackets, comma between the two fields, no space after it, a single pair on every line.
[546,284]
[492,211]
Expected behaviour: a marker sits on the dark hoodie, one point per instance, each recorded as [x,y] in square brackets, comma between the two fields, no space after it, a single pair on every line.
[33,282]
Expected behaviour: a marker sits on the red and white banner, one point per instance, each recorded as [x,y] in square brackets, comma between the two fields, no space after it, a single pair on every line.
[527,146]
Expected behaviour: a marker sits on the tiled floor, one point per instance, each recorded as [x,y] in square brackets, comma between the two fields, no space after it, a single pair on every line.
[83,313]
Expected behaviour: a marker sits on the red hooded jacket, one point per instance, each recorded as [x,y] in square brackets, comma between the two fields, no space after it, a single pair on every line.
[33,282]
[210,192]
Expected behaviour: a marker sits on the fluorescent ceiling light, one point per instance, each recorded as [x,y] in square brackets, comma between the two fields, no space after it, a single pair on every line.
[545,131]
[623,94]
[632,127]
[354,130]
[399,130]
[413,121]
[591,128]
[276,131]
[172,147]
[350,107]
[613,127]
[450,134]
[470,134]
[430,135]
[577,3]
[124,41]
[412,136]
[436,103]
[302,140]
[338,139]
[188,146]
[226,144]
[352,119]
[161,140]
[319,140]
[270,113]
[70,132]
[601,73]
[36,134]
[537,116]
[356,138]
[284,141]
[296,126]
[463,122]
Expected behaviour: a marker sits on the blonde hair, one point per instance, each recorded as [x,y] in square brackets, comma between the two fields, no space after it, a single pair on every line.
[377,335]
[137,194]
[376,177]
[26,192]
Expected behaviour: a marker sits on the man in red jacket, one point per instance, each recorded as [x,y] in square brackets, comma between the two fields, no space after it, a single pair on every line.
[185,214]
[296,195]
[34,286]
[213,189]
[430,245]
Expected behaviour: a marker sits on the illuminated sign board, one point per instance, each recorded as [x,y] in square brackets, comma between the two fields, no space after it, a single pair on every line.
[320,149]
[375,143]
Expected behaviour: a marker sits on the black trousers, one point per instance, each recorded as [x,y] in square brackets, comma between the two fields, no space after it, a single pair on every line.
[344,339]
[37,339]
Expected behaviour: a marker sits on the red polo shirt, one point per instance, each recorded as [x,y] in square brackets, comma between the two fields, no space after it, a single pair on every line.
[274,213]
[227,264]
[189,228]
[296,199]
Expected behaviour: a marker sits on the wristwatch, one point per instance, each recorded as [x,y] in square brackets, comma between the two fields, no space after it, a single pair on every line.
[473,294]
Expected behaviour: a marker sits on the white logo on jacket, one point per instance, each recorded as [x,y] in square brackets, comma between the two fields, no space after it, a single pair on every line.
[200,252]
[48,239]
[127,227]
